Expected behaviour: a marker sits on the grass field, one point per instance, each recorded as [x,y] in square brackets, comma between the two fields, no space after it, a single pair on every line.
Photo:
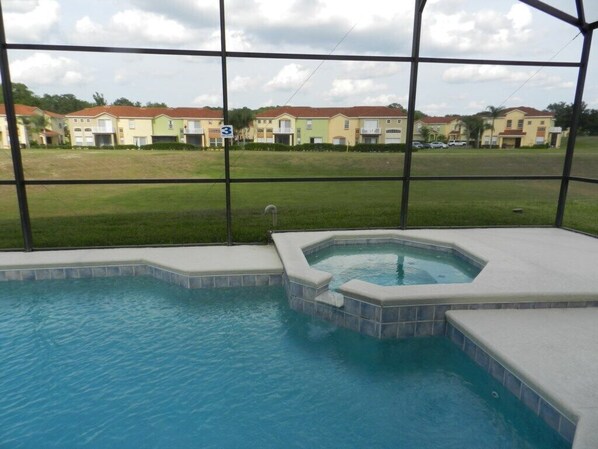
[105,215]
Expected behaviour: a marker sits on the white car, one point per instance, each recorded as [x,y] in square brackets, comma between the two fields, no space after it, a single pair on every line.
[438,145]
[457,143]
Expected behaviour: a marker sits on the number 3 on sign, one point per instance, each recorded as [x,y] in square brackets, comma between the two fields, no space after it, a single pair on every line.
[226,132]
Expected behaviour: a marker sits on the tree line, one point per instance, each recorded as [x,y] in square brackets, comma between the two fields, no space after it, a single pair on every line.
[67,103]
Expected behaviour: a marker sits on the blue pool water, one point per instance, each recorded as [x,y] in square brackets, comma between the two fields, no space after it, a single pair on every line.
[391,264]
[135,363]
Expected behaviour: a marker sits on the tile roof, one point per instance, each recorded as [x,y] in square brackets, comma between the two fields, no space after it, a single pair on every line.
[528,111]
[353,111]
[20,109]
[132,111]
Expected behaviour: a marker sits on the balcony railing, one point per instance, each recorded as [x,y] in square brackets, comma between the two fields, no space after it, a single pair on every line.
[102,130]
[191,130]
[555,129]
[370,131]
[284,130]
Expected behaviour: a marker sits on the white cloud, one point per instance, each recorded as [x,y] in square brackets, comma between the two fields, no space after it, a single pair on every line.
[342,88]
[28,21]
[490,30]
[487,73]
[241,83]
[44,69]
[369,69]
[385,100]
[133,26]
[290,77]
[208,100]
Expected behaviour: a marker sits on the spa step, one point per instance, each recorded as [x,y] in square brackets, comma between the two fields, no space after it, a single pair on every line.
[331,298]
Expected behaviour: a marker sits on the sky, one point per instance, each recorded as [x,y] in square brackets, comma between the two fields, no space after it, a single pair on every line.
[489,29]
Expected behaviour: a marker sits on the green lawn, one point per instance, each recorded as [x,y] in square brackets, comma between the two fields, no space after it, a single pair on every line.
[105,215]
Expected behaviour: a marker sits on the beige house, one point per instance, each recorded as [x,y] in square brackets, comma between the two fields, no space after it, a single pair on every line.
[522,127]
[449,128]
[32,128]
[294,125]
[128,125]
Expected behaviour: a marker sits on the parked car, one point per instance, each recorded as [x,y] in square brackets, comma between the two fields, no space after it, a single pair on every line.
[457,143]
[438,145]
[419,145]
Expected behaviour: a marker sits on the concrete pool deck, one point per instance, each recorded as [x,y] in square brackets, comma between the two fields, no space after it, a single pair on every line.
[554,351]
[521,265]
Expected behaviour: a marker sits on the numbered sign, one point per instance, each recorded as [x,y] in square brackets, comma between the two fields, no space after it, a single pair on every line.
[226,132]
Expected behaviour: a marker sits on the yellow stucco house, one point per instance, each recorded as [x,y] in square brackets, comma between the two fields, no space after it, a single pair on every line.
[32,131]
[448,128]
[522,127]
[128,125]
[295,125]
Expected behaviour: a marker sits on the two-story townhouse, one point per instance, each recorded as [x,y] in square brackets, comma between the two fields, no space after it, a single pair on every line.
[379,124]
[34,126]
[293,125]
[278,125]
[96,126]
[129,125]
[522,126]
[440,128]
[201,126]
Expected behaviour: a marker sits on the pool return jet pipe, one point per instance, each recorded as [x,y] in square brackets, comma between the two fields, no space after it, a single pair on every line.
[271,208]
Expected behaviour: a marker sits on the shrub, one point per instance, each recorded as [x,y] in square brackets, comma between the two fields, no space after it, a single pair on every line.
[380,148]
[262,146]
[170,146]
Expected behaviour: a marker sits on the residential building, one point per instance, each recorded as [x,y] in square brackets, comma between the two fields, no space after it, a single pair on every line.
[294,125]
[128,125]
[446,128]
[522,127]
[32,128]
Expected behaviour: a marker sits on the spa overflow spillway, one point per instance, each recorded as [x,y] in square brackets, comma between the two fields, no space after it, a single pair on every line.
[392,263]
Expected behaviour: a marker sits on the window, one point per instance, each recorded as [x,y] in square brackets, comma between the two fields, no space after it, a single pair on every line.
[77,130]
[509,123]
[78,140]
[75,120]
[309,124]
[529,122]
[388,121]
[339,141]
[87,130]
[215,141]
[88,120]
[539,140]
[399,121]
[346,124]
[298,134]
[541,122]
[520,124]
[169,124]
[393,131]
[131,124]
[89,140]
[315,140]
[140,141]
[541,129]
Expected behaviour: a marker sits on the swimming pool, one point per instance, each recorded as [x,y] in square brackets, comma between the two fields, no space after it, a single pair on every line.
[97,363]
[391,263]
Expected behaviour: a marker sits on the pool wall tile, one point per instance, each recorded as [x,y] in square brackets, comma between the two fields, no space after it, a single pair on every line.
[390,314]
[424,328]
[526,394]
[425,313]
[406,330]
[408,313]
[369,327]
[371,312]
[43,274]
[352,322]
[389,330]
[439,328]
[352,306]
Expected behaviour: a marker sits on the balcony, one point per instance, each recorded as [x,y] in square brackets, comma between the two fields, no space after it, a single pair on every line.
[555,129]
[102,130]
[284,130]
[193,130]
[370,131]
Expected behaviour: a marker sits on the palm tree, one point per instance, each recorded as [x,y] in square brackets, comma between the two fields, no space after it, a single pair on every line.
[495,112]
[475,127]
[35,124]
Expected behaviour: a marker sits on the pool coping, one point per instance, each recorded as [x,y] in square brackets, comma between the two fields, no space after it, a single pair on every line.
[530,268]
[189,267]
[546,372]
